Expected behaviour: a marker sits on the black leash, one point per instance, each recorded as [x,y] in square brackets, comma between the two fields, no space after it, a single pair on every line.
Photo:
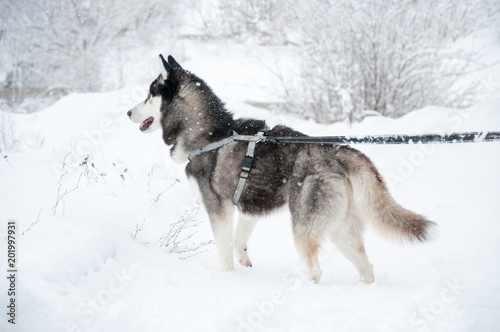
[472,137]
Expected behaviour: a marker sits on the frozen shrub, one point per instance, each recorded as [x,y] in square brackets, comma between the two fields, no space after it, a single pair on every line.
[360,57]
[68,44]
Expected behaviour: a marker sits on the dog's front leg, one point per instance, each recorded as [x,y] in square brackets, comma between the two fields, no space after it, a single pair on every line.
[246,225]
[222,227]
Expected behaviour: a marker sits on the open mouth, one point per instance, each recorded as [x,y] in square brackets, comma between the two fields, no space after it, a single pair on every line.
[146,123]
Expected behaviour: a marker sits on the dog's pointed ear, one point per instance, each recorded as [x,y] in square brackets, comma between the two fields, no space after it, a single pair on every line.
[173,63]
[166,68]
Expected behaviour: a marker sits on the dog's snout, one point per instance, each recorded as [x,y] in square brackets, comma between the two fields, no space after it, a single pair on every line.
[129,113]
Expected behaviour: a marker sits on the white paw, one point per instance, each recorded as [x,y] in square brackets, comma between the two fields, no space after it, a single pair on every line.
[243,258]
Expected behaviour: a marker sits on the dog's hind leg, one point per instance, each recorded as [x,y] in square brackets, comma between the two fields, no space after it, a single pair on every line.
[348,238]
[317,204]
[307,247]
[246,224]
[222,227]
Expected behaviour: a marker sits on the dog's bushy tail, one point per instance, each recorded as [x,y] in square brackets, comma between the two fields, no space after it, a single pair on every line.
[374,204]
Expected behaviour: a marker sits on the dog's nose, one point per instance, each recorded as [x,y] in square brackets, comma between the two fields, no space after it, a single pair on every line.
[129,113]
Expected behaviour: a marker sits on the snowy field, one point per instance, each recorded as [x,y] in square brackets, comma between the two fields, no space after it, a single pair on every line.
[110,237]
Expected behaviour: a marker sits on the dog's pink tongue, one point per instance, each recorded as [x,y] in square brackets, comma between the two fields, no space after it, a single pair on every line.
[146,123]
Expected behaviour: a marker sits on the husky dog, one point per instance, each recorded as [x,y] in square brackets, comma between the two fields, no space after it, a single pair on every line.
[331,190]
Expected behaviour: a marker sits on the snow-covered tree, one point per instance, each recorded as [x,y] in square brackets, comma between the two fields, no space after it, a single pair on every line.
[68,43]
[395,56]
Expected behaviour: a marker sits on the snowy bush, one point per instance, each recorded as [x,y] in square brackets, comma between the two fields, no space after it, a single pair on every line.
[8,139]
[388,57]
[78,45]
[268,22]
[354,58]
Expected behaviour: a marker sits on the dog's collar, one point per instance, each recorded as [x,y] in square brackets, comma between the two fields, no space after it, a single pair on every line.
[259,137]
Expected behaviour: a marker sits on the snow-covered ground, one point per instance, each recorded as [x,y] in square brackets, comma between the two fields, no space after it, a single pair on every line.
[116,242]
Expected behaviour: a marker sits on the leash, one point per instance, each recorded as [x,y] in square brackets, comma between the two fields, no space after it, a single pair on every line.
[246,165]
[472,137]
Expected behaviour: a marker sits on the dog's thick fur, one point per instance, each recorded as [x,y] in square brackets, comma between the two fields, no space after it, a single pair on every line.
[331,190]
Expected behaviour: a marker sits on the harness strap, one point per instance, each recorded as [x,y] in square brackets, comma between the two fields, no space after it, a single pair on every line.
[235,138]
[247,164]
[210,147]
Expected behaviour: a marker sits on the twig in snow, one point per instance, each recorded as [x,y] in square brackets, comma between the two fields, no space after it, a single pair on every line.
[60,195]
[33,223]
[176,237]
[91,172]
[7,160]
[164,191]
[122,174]
[138,229]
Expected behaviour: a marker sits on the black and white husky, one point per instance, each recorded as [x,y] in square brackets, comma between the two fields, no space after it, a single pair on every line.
[331,190]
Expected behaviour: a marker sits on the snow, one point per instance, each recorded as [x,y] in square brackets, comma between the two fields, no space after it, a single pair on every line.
[94,263]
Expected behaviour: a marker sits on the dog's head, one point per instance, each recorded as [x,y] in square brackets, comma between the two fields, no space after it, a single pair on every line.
[162,91]
[186,109]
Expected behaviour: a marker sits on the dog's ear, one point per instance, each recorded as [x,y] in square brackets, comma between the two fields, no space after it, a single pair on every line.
[173,63]
[167,68]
